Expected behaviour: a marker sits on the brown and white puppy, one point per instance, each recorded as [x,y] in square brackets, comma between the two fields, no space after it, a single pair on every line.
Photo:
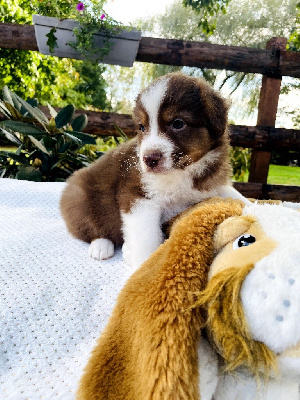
[179,157]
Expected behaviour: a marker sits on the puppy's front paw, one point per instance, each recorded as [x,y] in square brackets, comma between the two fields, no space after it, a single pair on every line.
[101,249]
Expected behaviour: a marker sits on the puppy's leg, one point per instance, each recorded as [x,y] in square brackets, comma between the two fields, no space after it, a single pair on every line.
[141,231]
[101,249]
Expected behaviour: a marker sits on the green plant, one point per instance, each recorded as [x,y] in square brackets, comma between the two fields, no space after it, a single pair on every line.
[240,161]
[54,80]
[208,11]
[294,39]
[102,145]
[91,18]
[47,149]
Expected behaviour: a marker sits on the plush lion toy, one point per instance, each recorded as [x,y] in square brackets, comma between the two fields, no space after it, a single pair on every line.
[230,268]
[253,303]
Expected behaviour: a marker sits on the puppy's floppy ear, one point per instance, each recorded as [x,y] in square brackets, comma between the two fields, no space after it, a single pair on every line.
[216,108]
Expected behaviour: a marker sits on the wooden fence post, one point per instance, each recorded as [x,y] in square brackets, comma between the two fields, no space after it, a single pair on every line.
[267,110]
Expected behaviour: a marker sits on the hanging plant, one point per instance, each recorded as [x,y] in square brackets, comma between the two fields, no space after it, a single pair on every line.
[93,32]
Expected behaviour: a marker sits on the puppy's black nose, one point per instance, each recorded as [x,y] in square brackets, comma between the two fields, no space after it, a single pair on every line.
[152,160]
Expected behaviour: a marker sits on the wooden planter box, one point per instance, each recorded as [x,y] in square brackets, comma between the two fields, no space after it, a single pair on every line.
[124,46]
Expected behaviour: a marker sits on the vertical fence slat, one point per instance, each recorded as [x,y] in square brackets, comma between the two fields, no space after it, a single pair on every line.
[267,110]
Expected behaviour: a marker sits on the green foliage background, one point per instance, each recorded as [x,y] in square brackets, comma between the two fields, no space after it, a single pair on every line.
[47,149]
[294,41]
[49,79]
[207,11]
[232,22]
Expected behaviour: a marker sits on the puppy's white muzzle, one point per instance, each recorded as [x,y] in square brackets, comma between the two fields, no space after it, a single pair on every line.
[155,153]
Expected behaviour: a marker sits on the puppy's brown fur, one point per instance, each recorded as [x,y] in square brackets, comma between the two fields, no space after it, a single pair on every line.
[96,196]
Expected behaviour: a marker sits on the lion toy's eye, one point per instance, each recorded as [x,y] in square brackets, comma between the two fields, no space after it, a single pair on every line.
[244,240]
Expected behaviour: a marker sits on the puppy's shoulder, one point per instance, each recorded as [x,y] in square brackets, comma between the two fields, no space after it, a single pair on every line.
[118,155]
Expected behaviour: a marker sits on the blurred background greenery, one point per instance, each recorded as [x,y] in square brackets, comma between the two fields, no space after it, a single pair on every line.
[100,87]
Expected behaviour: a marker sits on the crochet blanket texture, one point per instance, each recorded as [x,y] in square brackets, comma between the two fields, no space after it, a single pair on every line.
[54,299]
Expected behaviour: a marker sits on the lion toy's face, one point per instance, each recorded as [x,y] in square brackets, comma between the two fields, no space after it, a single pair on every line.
[253,294]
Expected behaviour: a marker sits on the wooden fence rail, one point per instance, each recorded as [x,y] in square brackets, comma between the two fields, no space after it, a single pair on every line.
[269,62]
[272,62]
[263,138]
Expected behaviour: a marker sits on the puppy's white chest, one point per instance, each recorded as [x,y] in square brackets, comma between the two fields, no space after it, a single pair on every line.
[165,196]
[172,192]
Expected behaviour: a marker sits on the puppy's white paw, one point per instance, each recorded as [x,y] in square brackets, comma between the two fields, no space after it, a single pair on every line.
[101,249]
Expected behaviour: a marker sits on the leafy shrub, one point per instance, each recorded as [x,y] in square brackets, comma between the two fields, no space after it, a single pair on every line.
[104,144]
[240,161]
[47,149]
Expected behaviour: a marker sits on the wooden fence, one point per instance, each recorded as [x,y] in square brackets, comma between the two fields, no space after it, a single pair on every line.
[272,62]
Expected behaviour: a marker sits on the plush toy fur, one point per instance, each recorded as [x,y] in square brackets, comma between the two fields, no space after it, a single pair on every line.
[227,325]
[149,347]
[246,296]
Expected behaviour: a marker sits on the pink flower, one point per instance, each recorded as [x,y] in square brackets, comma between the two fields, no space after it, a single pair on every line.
[102,16]
[80,7]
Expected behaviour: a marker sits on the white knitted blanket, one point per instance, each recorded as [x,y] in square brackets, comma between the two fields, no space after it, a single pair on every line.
[54,299]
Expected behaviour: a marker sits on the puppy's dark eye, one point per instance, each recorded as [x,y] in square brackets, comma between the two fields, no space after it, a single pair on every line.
[178,124]
[142,128]
[244,240]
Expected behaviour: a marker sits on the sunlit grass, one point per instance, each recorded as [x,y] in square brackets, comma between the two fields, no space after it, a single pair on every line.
[283,175]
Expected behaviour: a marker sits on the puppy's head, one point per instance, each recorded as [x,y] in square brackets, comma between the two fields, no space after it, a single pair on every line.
[181,119]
